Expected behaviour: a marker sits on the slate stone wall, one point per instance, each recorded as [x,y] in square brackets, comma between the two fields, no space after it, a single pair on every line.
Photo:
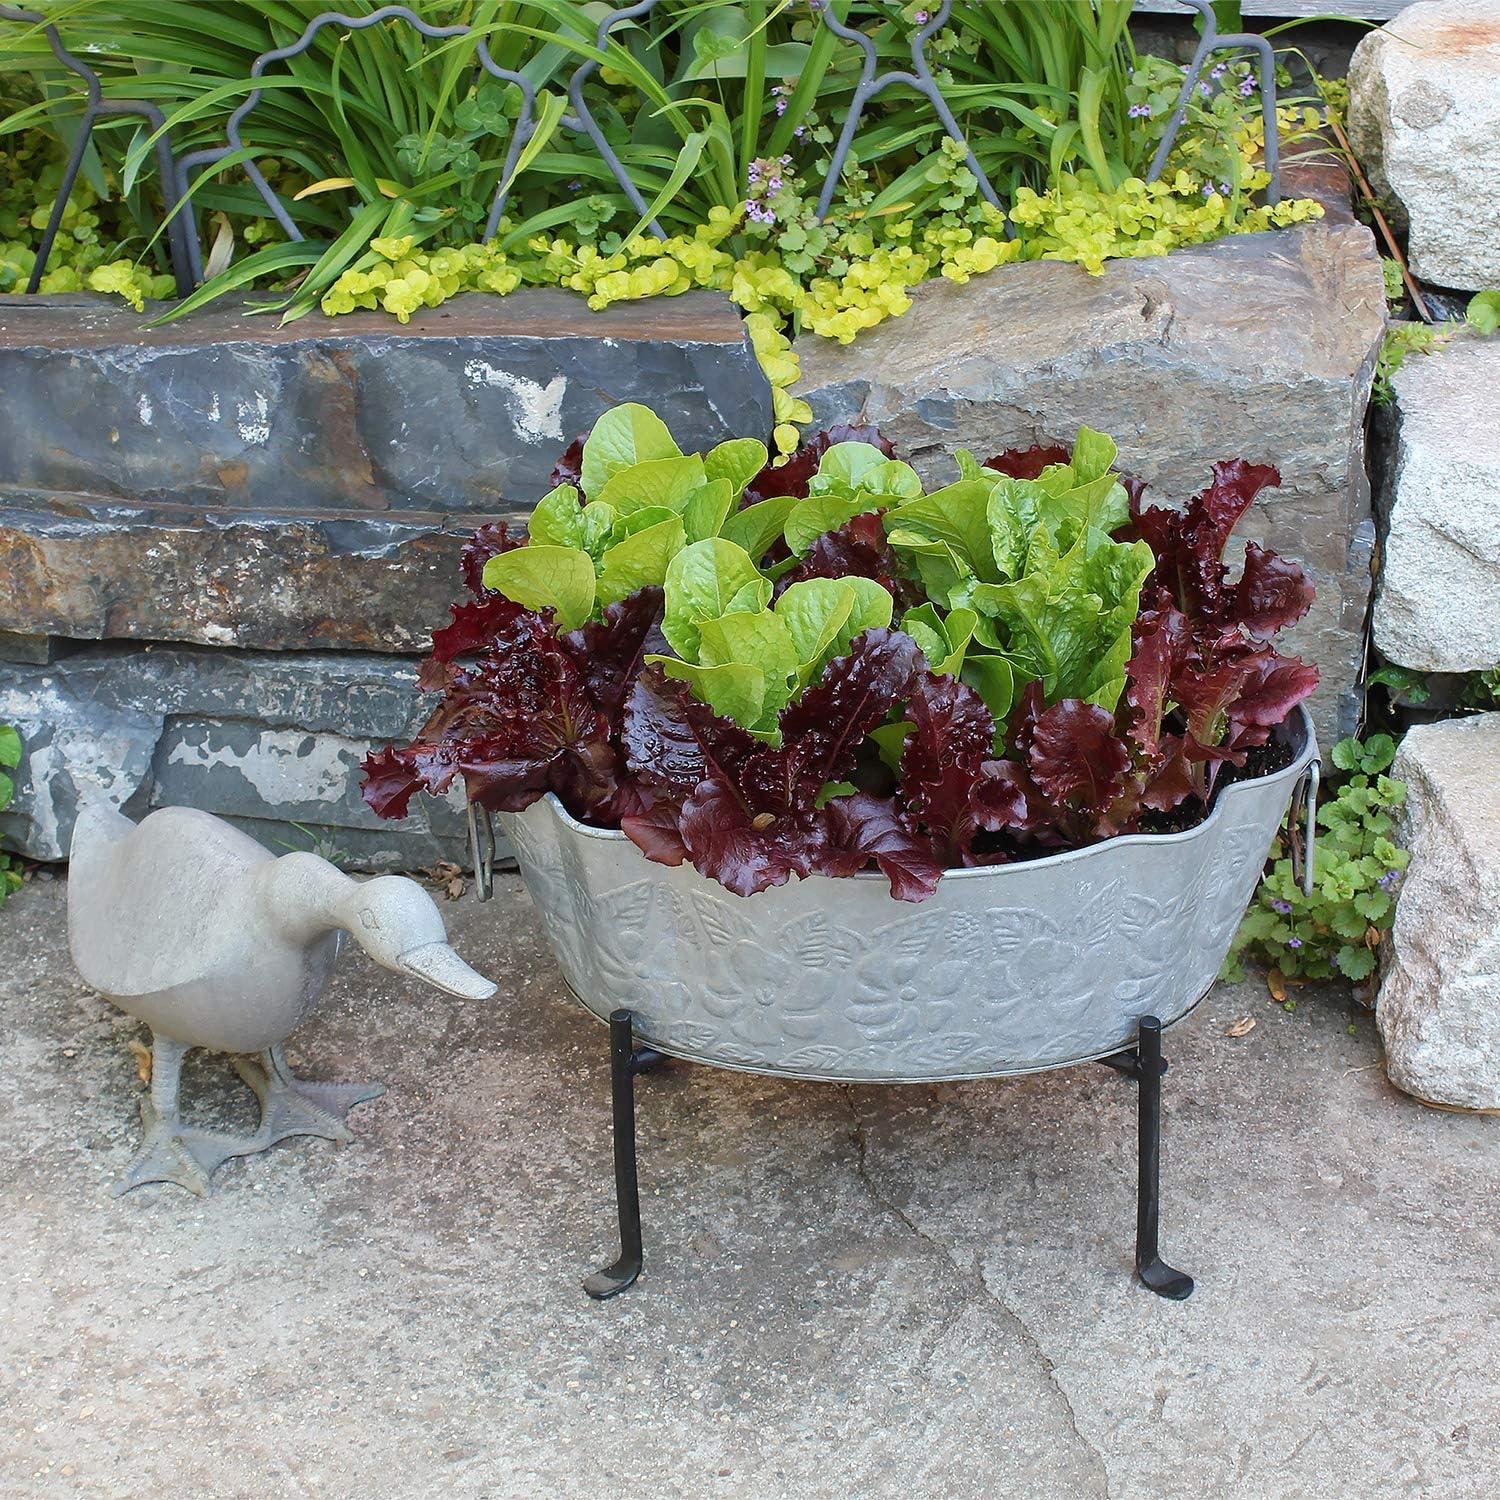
[223,542]
[266,739]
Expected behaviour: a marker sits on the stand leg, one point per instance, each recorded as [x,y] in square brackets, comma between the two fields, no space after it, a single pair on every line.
[625,1062]
[1149,1266]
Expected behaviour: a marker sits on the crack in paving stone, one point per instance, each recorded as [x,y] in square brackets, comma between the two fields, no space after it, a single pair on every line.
[976,1286]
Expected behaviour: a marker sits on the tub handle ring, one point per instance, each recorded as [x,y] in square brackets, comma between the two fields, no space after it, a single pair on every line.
[482,850]
[1307,791]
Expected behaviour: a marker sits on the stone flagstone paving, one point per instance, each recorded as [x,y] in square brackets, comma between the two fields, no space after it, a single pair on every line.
[850,1292]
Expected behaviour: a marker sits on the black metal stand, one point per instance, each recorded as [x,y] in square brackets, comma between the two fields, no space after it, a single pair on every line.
[1147,1066]
[1144,1063]
[625,1061]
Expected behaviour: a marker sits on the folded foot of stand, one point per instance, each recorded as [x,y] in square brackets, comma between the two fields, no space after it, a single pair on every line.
[1154,1272]
[1147,1066]
[618,1276]
[626,1060]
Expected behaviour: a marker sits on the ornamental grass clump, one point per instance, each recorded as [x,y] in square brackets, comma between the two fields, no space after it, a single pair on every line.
[824,667]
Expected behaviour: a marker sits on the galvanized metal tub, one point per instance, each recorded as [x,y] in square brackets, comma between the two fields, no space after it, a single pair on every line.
[1006,969]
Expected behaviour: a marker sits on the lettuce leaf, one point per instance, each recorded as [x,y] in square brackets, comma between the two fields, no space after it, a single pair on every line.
[751,815]
[519,723]
[622,438]
[793,475]
[546,577]
[487,541]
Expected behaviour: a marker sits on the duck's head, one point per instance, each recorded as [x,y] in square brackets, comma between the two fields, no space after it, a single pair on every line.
[398,924]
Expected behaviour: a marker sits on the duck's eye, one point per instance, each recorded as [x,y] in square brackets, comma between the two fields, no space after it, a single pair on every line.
[368,920]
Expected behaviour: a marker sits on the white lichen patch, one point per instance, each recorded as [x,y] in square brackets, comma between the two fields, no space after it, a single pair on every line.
[282,765]
[144,408]
[536,409]
[254,420]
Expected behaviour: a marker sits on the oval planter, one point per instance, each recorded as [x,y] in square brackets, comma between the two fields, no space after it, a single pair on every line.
[1006,969]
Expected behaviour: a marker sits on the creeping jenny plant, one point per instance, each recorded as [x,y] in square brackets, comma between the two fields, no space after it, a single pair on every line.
[10,758]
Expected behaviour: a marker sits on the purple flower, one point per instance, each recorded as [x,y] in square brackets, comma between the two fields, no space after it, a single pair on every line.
[1224,188]
[574,186]
[800,131]
[1207,189]
[1218,71]
[1282,906]
[773,185]
[1388,879]
[754,171]
[1247,87]
[781,106]
[1204,89]
[1294,942]
[1139,111]
[921,18]
[759,213]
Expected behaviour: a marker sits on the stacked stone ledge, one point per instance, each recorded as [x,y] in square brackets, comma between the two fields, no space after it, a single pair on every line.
[1258,346]
[225,543]
[1424,118]
[1437,606]
[1439,1003]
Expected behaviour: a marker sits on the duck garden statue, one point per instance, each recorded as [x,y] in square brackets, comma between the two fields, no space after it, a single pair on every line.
[191,926]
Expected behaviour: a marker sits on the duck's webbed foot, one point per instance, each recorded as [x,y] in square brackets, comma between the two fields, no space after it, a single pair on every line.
[171,1151]
[290,1106]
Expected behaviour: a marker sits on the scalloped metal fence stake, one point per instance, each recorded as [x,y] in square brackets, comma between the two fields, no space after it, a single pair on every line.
[1209,43]
[525,119]
[182,228]
[180,247]
[582,121]
[872,82]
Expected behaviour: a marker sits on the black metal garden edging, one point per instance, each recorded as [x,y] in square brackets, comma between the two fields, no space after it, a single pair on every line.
[183,241]
[177,228]
[1144,1063]
[1209,43]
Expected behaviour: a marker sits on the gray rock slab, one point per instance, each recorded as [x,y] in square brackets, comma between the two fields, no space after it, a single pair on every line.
[463,409]
[34,649]
[99,571]
[1258,346]
[231,482]
[1439,1000]
[892,1293]
[1437,606]
[265,739]
[1424,117]
[249,770]
[72,748]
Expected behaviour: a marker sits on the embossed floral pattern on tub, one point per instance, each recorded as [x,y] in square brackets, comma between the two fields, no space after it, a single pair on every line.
[810,981]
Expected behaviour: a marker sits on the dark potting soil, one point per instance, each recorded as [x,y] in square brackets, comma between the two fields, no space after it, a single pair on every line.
[1263,760]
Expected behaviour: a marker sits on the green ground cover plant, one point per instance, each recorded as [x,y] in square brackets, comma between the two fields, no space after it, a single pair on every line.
[10,758]
[1403,339]
[1339,928]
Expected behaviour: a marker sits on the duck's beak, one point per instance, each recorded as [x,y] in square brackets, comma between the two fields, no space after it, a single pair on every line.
[439,965]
